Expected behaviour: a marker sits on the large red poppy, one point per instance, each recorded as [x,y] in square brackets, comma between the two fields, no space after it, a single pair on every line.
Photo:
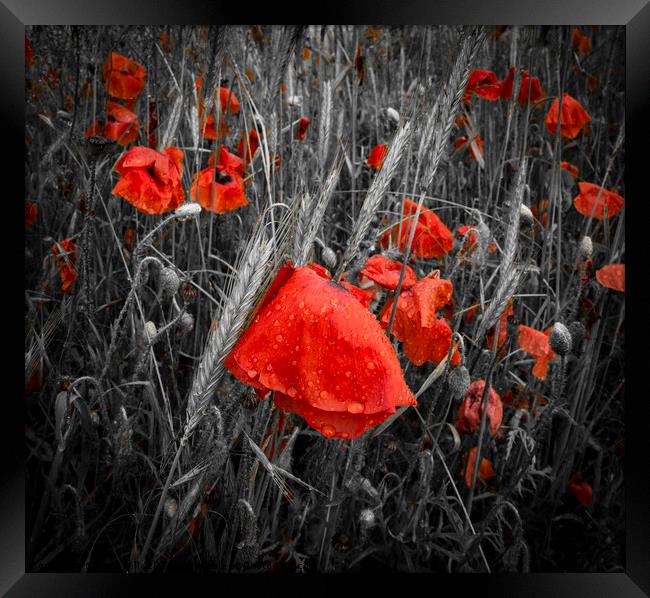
[425,337]
[124,78]
[432,238]
[612,277]
[536,344]
[223,191]
[377,156]
[469,415]
[592,199]
[66,259]
[386,272]
[121,125]
[484,84]
[150,180]
[323,354]
[574,117]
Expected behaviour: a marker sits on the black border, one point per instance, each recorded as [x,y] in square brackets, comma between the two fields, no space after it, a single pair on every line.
[635,14]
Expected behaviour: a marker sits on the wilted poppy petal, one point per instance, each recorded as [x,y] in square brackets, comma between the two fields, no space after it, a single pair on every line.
[469,415]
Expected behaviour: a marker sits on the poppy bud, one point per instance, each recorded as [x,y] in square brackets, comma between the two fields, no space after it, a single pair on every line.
[150,329]
[294,101]
[393,115]
[525,215]
[171,506]
[458,381]
[186,323]
[342,542]
[586,248]
[169,281]
[577,331]
[366,518]
[188,292]
[329,257]
[249,400]
[188,210]
[560,339]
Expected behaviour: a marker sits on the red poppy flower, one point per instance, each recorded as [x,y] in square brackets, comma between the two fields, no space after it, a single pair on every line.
[229,104]
[150,181]
[386,272]
[302,128]
[503,329]
[469,415]
[226,193]
[485,469]
[477,145]
[31,212]
[582,492]
[124,78]
[581,43]
[431,239]
[121,125]
[536,344]
[29,53]
[484,84]
[67,257]
[246,149]
[570,168]
[574,117]
[592,199]
[323,354]
[425,337]
[377,156]
[612,277]
[530,89]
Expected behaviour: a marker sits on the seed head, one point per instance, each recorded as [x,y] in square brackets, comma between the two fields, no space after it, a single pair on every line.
[171,506]
[586,248]
[329,257]
[169,281]
[366,518]
[458,381]
[150,329]
[393,115]
[525,215]
[186,323]
[187,211]
[560,339]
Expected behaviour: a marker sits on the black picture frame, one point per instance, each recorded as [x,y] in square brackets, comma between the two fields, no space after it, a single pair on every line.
[634,14]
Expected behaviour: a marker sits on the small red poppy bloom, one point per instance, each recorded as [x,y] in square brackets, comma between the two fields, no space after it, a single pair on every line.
[222,191]
[431,239]
[530,89]
[377,156]
[572,169]
[476,146]
[124,78]
[612,277]
[503,330]
[303,124]
[31,212]
[324,355]
[536,344]
[67,257]
[593,199]
[425,337]
[29,53]
[484,84]
[470,234]
[469,415]
[581,43]
[485,469]
[573,119]
[150,181]
[247,148]
[121,125]
[386,272]
[582,492]
[229,105]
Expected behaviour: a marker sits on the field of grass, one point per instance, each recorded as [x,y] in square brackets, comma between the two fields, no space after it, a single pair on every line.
[170,427]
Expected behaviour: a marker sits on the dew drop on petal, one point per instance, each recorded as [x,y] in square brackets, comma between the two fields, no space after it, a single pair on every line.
[355,407]
[292,392]
[328,430]
[252,373]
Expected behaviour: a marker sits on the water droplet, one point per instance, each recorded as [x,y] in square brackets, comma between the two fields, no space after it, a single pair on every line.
[269,367]
[301,304]
[323,394]
[279,338]
[276,323]
[348,374]
[355,407]
[328,430]
[292,392]
[345,435]
[252,373]
[370,365]
[294,363]
[278,307]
